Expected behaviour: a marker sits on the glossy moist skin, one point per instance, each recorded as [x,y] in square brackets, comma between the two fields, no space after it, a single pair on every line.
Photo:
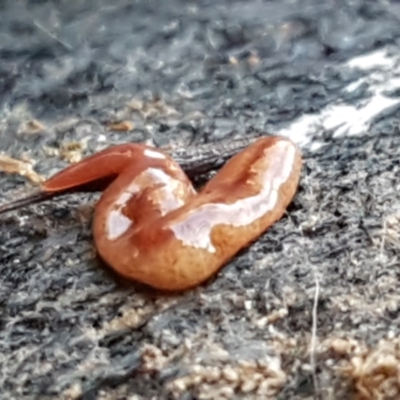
[151,226]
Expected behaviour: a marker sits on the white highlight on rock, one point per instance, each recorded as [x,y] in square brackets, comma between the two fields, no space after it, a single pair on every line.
[195,229]
[382,74]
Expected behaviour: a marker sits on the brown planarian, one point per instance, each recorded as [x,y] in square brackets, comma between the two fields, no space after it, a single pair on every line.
[151,226]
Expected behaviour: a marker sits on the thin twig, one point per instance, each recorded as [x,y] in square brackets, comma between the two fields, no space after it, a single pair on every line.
[382,246]
[52,35]
[313,341]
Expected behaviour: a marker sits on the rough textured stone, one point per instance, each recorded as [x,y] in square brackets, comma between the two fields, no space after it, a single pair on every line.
[179,72]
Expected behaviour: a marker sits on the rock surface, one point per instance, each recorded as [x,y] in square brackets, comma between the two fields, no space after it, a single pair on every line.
[311,310]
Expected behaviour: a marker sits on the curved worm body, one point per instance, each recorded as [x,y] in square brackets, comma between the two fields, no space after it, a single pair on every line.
[150,225]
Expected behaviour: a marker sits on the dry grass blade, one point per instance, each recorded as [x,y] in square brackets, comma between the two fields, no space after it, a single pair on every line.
[12,166]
